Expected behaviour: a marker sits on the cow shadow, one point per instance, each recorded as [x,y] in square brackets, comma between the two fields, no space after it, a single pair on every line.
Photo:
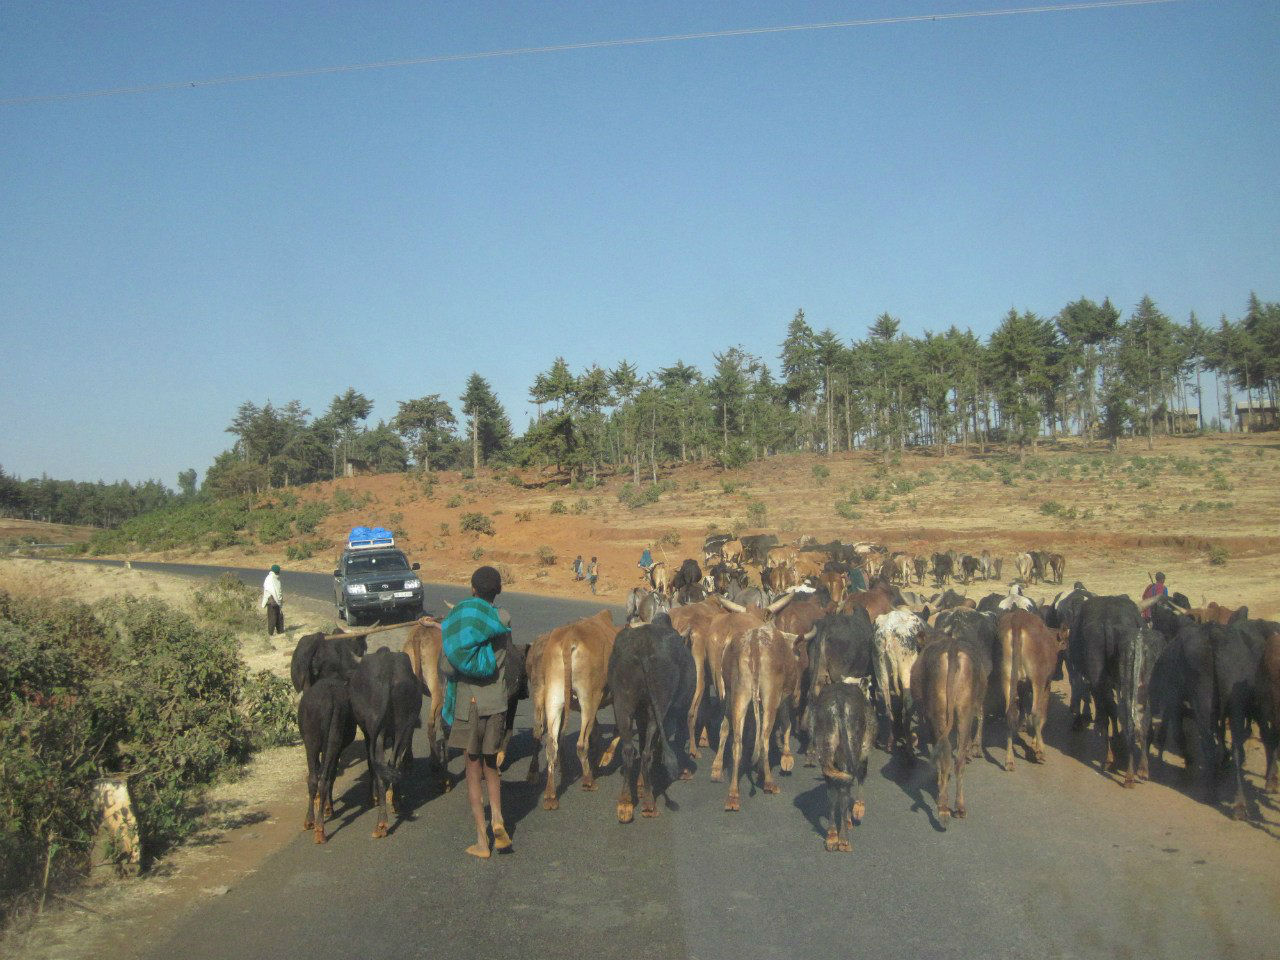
[915,777]
[815,806]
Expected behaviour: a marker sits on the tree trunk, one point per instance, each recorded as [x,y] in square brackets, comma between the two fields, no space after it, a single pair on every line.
[475,443]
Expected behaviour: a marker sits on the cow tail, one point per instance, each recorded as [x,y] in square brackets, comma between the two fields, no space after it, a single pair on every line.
[567,656]
[666,756]
[761,753]
[951,709]
[1133,668]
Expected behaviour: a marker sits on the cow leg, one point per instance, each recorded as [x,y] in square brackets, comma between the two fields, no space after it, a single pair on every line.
[886,695]
[1270,736]
[1239,732]
[786,761]
[942,761]
[590,705]
[766,712]
[962,758]
[551,738]
[741,703]
[699,678]
[1039,715]
[717,765]
[835,810]
[629,763]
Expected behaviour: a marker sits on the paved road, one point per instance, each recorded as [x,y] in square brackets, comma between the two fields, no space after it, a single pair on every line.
[1053,861]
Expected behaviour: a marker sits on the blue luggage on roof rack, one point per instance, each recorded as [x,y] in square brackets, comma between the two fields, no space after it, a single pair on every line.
[368,537]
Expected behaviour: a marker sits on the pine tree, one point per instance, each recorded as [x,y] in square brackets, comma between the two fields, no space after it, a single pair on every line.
[488,426]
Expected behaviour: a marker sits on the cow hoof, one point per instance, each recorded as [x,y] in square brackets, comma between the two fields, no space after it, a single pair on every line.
[686,774]
[788,763]
[501,759]
[590,785]
[694,754]
[320,837]
[732,805]
[717,774]
[550,803]
[308,823]
[606,758]
[380,830]
[859,810]
[702,740]
[960,812]
[771,787]
[328,809]
[944,817]
[626,813]
[1273,785]
[1238,812]
[1008,765]
[832,842]
[649,810]
[844,846]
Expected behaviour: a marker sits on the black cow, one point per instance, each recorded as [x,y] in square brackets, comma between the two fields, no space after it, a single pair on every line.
[1039,564]
[724,576]
[949,599]
[327,727]
[689,574]
[1183,688]
[386,699]
[841,646]
[969,568]
[651,675]
[317,656]
[835,550]
[943,567]
[713,546]
[1066,607]
[844,729]
[991,603]
[1240,687]
[1102,625]
[1138,655]
[755,549]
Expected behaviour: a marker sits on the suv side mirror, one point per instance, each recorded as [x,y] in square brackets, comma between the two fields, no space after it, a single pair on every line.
[337,573]
[416,566]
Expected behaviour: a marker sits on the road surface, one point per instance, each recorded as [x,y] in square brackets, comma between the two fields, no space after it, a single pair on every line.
[1054,860]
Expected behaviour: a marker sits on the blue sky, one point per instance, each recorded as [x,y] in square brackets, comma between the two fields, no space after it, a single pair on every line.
[165,256]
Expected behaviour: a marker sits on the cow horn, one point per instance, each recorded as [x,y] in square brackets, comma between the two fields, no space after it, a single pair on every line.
[1177,609]
[1148,603]
[781,602]
[448,604]
[730,605]
[813,632]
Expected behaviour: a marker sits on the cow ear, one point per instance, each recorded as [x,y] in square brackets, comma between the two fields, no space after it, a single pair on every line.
[1241,614]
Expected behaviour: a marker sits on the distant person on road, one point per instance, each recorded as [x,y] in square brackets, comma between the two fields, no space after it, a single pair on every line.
[593,573]
[476,635]
[273,600]
[646,561]
[577,567]
[1155,589]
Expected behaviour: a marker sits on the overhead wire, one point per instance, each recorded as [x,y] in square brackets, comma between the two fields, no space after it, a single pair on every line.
[571,47]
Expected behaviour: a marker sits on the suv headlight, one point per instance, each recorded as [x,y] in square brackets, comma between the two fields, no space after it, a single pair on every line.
[413,583]
[356,588]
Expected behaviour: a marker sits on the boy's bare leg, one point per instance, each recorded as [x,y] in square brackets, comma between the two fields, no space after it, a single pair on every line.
[493,780]
[475,794]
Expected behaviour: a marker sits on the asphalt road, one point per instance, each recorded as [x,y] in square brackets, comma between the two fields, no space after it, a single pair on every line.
[1053,861]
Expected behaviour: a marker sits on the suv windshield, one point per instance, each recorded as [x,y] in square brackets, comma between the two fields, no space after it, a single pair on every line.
[377,563]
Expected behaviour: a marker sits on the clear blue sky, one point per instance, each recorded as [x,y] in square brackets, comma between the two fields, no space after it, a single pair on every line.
[165,256]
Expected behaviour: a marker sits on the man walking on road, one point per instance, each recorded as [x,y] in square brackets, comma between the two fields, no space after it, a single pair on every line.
[593,574]
[273,600]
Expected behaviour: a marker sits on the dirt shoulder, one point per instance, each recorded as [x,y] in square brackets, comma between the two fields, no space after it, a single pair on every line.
[248,816]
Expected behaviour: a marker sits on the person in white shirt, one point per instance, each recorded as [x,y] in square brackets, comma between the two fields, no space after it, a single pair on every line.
[273,600]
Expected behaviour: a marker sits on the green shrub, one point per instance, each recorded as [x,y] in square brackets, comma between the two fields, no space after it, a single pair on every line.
[757,513]
[870,492]
[729,486]
[515,479]
[1218,556]
[847,510]
[670,539]
[288,499]
[274,526]
[308,516]
[454,502]
[1051,508]
[1006,476]
[821,472]
[546,556]
[477,553]
[558,507]
[523,516]
[582,505]
[343,501]
[271,707]
[228,603]
[736,454]
[638,497]
[476,523]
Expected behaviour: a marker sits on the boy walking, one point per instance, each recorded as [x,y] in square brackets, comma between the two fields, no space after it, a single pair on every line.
[593,572]
[476,635]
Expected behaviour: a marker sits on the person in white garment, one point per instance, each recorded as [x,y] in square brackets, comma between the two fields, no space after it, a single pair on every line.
[273,600]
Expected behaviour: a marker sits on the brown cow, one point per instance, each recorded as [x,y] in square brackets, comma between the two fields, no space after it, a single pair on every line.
[709,632]
[572,660]
[877,601]
[836,582]
[1216,613]
[1057,566]
[660,578]
[424,647]
[760,672]
[949,685]
[1029,657]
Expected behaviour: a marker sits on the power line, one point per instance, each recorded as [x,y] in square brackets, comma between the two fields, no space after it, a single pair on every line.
[569,47]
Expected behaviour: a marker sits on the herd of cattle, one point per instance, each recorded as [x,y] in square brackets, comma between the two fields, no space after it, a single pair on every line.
[798,652]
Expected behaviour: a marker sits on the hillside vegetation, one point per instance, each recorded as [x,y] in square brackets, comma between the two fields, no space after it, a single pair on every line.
[1205,509]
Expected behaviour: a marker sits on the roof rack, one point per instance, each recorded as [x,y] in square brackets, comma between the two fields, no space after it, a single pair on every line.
[368,538]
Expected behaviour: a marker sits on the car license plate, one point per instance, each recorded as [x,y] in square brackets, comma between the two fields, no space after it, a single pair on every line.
[384,596]
[404,593]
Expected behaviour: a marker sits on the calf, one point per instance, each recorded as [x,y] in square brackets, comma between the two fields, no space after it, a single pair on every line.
[761,674]
[569,661]
[949,683]
[969,568]
[1029,657]
[921,565]
[651,677]
[327,727]
[1237,661]
[844,729]
[894,650]
[1022,563]
[1057,566]
[386,700]
[943,568]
